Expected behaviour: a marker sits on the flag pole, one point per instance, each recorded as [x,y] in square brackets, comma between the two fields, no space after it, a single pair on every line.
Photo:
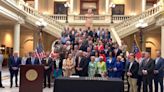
[135,39]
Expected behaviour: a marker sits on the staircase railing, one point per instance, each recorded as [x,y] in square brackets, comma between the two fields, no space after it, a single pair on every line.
[96,18]
[34,12]
[54,27]
[131,22]
[128,26]
[120,18]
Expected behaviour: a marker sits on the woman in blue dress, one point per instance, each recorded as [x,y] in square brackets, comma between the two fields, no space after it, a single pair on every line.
[110,62]
[118,68]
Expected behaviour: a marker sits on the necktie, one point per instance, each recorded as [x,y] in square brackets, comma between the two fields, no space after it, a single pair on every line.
[15,59]
[147,60]
[46,61]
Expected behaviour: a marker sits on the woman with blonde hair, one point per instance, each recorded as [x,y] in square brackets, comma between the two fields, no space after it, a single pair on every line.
[118,67]
[68,66]
[101,68]
[92,67]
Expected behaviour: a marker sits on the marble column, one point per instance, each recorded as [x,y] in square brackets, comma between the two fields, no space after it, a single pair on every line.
[133,10]
[143,5]
[35,39]
[162,41]
[36,4]
[71,6]
[17,37]
[107,6]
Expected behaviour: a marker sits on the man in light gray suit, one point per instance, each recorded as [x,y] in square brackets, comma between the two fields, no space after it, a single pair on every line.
[1,61]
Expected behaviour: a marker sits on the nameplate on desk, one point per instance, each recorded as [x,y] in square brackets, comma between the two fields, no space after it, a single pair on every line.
[74,76]
[95,78]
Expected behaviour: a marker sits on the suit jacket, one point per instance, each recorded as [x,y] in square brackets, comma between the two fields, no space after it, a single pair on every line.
[49,63]
[60,64]
[1,62]
[134,69]
[36,61]
[119,66]
[118,52]
[149,66]
[110,65]
[13,63]
[84,65]
[160,66]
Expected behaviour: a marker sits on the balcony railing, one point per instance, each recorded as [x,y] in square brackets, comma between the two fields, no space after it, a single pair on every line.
[96,18]
[58,17]
[83,17]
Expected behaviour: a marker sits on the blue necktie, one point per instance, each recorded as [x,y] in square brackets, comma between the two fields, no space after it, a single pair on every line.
[15,59]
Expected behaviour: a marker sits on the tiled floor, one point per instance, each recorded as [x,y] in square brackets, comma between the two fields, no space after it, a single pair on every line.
[6,84]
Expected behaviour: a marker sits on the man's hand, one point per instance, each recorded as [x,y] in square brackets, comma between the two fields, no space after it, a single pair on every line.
[46,67]
[129,73]
[144,72]
[115,69]
[156,71]
[79,69]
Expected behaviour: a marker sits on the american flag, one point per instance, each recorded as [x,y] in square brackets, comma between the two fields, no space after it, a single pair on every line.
[136,51]
[39,52]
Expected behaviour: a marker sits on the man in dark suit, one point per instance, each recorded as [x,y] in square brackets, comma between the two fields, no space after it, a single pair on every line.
[158,72]
[82,66]
[77,60]
[14,63]
[132,73]
[47,62]
[32,60]
[147,68]
[117,51]
[1,62]
[139,82]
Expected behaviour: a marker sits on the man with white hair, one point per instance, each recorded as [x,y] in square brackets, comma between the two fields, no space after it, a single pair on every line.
[68,43]
[81,64]
[1,61]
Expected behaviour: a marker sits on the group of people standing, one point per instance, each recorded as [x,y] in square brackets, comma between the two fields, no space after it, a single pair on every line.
[91,53]
[144,71]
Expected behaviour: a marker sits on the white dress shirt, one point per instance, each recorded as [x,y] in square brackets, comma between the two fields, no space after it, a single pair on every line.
[130,66]
[156,60]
